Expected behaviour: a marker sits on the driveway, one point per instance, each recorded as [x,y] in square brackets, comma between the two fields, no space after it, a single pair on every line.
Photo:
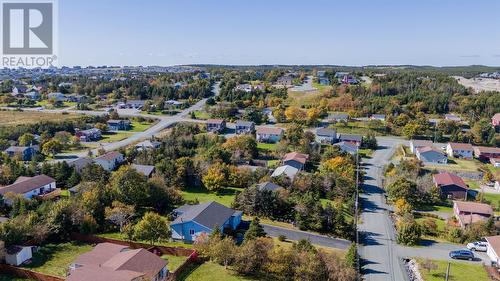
[317,239]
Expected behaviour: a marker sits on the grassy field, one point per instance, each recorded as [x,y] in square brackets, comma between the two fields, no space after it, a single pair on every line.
[46,104]
[139,126]
[119,236]
[224,196]
[300,99]
[440,223]
[174,261]
[115,136]
[10,117]
[322,88]
[202,115]
[210,271]
[435,208]
[458,271]
[54,259]
[457,165]
[266,147]
[493,198]
[357,127]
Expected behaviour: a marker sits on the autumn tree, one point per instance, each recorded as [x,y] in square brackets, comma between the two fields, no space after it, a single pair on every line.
[119,213]
[153,228]
[130,186]
[216,177]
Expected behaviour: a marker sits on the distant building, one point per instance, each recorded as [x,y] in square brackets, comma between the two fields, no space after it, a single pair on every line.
[24,153]
[352,139]
[429,154]
[380,117]
[243,87]
[110,160]
[347,147]
[324,81]
[33,95]
[286,170]
[269,134]
[147,144]
[174,103]
[244,127]
[29,187]
[284,81]
[452,117]
[460,150]
[193,220]
[320,73]
[134,104]
[495,162]
[92,134]
[295,159]
[269,186]
[495,121]
[326,136]
[216,125]
[468,213]
[450,185]
[415,144]
[338,117]
[146,170]
[56,96]
[108,261]
[485,153]
[119,125]
[80,163]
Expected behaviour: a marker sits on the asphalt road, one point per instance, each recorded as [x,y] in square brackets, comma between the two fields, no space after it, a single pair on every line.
[317,239]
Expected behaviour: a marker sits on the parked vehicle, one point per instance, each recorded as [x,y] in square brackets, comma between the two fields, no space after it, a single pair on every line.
[477,246]
[462,255]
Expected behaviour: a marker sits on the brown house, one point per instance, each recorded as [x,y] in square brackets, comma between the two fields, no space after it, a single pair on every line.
[108,261]
[450,185]
[470,212]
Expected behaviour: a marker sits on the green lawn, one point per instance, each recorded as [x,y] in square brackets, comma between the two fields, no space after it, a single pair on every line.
[119,236]
[357,127]
[210,271]
[459,271]
[54,259]
[225,196]
[493,198]
[273,163]
[139,126]
[115,136]
[435,208]
[472,183]
[202,115]
[457,165]
[174,261]
[440,223]
[266,146]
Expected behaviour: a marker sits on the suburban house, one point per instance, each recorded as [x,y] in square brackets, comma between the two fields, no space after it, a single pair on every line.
[81,163]
[243,87]
[30,186]
[493,249]
[93,134]
[17,255]
[134,104]
[460,150]
[380,117]
[347,147]
[284,81]
[338,117]
[269,134]
[295,159]
[452,117]
[193,220]
[147,144]
[244,127]
[110,160]
[323,81]
[450,185]
[118,125]
[77,98]
[268,186]
[173,104]
[470,212]
[352,139]
[56,96]
[108,261]
[146,170]
[33,95]
[495,162]
[286,170]
[495,120]
[497,185]
[485,153]
[216,125]
[429,154]
[25,153]
[325,135]
[415,144]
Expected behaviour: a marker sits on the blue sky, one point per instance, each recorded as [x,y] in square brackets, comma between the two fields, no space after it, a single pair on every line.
[155,32]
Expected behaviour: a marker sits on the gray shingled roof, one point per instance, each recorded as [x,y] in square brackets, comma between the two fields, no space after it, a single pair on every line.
[326,132]
[208,214]
[144,169]
[27,184]
[268,186]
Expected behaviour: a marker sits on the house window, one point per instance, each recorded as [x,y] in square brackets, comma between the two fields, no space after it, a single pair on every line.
[191,232]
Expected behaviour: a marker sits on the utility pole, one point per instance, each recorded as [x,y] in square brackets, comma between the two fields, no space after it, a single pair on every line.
[448,272]
[356,207]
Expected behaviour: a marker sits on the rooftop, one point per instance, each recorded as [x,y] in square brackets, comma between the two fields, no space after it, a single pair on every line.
[269,130]
[448,179]
[299,157]
[110,156]
[27,184]
[208,214]
[460,146]
[473,208]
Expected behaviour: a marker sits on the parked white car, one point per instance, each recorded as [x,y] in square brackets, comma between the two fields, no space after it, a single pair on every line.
[478,246]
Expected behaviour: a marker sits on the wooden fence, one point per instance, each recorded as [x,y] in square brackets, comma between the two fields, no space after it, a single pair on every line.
[25,273]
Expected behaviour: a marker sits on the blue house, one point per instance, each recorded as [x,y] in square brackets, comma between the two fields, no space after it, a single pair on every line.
[193,220]
[116,125]
[25,153]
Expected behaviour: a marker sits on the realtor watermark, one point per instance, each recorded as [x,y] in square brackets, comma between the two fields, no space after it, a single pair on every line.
[29,33]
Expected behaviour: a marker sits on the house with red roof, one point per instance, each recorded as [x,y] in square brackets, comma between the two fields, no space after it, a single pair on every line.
[108,261]
[295,159]
[450,185]
[460,150]
[485,153]
[468,213]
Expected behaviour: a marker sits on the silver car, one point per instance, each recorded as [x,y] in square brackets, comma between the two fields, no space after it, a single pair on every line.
[478,246]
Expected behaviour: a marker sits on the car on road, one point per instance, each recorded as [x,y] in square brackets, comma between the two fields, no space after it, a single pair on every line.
[462,255]
[479,246]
